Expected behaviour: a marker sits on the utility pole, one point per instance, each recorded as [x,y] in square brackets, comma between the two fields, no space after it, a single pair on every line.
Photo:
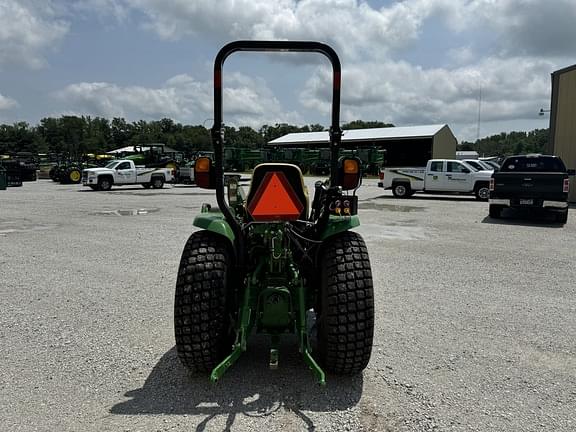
[479,111]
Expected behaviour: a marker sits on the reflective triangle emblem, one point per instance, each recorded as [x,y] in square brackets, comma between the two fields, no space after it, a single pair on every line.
[275,199]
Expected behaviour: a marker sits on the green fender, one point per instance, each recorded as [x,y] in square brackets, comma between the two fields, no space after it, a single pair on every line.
[338,224]
[214,222]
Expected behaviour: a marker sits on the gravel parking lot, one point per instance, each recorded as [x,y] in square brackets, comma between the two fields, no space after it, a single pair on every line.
[475,321]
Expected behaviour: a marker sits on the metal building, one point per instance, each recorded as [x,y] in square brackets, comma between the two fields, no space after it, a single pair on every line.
[562,120]
[405,146]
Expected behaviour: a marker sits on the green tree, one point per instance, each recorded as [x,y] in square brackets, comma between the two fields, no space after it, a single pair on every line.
[360,124]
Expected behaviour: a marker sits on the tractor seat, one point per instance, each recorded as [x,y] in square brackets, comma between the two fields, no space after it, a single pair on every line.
[293,175]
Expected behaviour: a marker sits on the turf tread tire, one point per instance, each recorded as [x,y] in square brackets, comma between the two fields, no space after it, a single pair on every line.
[201,318]
[346,324]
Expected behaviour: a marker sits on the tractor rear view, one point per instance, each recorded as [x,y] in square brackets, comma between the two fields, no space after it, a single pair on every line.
[268,261]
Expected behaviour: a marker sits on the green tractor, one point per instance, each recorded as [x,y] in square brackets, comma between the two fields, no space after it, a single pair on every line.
[268,262]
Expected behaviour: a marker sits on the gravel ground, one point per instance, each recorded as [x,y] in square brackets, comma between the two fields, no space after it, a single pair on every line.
[475,321]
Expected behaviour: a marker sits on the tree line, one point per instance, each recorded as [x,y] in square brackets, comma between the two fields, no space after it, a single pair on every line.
[77,135]
[505,144]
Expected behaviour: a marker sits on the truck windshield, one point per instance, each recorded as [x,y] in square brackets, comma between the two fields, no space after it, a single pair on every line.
[533,164]
[112,165]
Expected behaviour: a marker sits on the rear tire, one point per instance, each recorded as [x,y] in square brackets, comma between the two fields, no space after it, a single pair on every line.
[202,323]
[482,191]
[401,190]
[74,175]
[495,211]
[346,310]
[158,182]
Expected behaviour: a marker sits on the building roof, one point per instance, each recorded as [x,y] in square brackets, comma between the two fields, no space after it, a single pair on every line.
[564,70]
[352,135]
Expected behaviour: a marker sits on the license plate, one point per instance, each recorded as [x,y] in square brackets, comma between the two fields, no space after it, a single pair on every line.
[526,202]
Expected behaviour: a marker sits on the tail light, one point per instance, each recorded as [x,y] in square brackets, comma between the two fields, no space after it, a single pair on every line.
[491,184]
[349,173]
[381,175]
[204,173]
[566,187]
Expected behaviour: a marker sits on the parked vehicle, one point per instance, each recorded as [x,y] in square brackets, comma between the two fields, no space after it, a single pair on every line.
[536,182]
[479,165]
[493,161]
[124,172]
[439,176]
[186,174]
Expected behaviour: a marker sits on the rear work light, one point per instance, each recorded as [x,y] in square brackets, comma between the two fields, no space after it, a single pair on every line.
[275,200]
[566,187]
[381,175]
[491,184]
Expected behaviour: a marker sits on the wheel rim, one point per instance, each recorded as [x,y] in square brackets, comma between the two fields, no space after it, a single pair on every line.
[104,184]
[157,183]
[400,190]
[75,176]
[484,193]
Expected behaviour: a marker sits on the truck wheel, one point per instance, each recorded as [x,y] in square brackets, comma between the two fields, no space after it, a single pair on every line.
[104,184]
[202,327]
[401,190]
[158,182]
[562,217]
[482,191]
[495,211]
[345,314]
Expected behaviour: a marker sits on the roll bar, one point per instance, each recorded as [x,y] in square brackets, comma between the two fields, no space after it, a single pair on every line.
[217,131]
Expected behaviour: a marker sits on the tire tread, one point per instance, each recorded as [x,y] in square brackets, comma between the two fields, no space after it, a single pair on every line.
[346,329]
[200,315]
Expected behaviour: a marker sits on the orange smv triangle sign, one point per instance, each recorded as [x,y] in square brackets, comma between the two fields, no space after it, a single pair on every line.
[275,199]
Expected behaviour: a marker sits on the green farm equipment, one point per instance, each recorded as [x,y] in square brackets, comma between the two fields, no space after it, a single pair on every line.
[268,262]
[154,156]
[240,159]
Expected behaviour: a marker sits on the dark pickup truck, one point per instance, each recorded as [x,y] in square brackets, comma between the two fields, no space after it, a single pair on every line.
[536,182]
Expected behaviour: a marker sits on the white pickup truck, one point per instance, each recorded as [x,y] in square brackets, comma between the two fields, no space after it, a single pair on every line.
[439,176]
[124,172]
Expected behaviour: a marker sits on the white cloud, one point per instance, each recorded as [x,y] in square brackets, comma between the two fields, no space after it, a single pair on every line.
[115,8]
[246,101]
[401,93]
[7,103]
[27,30]
[353,27]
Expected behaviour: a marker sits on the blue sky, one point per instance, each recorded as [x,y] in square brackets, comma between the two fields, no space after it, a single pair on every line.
[413,62]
